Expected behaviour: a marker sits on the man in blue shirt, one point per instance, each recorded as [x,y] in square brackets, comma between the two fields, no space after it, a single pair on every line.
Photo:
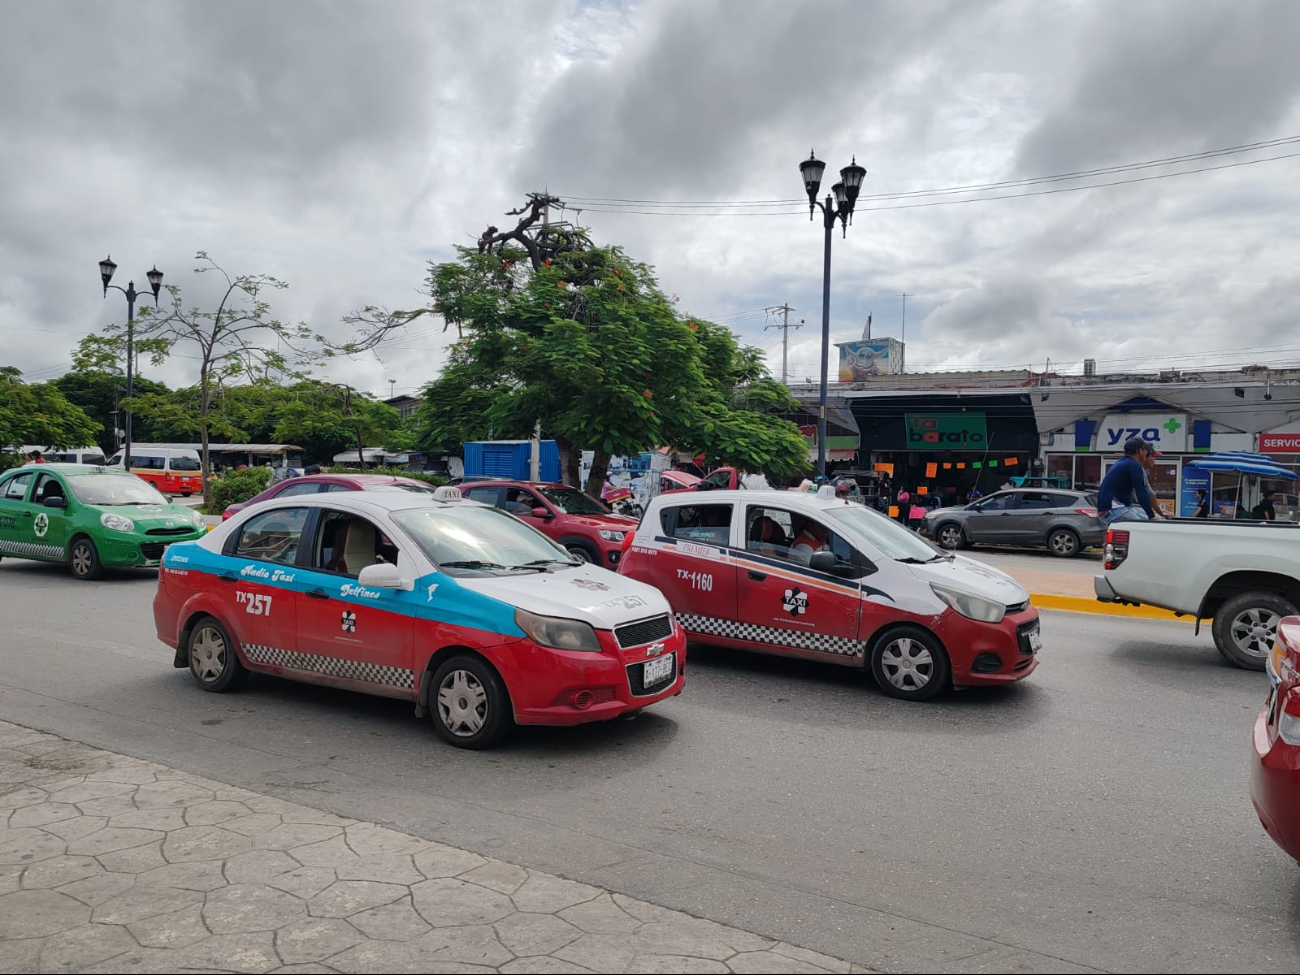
[1123,495]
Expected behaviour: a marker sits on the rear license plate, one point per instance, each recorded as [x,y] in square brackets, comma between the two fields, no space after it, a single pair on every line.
[657,670]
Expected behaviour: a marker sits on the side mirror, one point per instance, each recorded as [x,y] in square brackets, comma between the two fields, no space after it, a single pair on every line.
[823,561]
[384,575]
[55,502]
[540,512]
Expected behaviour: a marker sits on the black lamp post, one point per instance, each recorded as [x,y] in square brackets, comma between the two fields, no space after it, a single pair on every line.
[155,276]
[846,195]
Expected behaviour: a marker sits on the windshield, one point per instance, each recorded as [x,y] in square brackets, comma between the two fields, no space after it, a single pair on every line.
[472,540]
[113,489]
[889,537]
[402,486]
[572,501]
[184,463]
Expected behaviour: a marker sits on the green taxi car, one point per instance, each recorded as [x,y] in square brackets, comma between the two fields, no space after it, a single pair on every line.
[92,518]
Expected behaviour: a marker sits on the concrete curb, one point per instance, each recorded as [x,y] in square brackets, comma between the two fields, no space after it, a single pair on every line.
[1082,604]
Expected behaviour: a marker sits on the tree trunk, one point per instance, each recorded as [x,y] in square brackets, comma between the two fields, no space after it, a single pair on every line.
[570,462]
[205,464]
[599,471]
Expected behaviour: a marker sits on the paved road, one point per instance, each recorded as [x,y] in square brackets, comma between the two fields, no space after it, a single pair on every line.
[1094,818]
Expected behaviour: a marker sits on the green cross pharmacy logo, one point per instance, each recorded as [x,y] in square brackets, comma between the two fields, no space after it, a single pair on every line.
[1172,425]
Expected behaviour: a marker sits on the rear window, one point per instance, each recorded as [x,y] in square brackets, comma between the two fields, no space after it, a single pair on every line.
[272,536]
[185,464]
[706,523]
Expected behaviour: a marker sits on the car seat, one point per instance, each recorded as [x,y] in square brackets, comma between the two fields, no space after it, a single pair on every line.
[359,549]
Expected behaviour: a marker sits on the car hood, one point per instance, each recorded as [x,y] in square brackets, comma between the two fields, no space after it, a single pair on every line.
[618,523]
[151,515]
[588,593]
[974,577]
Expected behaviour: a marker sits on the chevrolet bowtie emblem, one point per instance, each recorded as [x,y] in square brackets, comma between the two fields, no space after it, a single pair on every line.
[655,649]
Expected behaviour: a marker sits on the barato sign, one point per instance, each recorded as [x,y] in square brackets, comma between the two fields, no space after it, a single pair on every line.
[1279,443]
[1168,431]
[945,431]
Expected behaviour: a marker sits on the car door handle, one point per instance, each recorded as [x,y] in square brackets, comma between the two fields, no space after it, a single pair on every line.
[757,576]
[318,594]
[227,577]
[27,514]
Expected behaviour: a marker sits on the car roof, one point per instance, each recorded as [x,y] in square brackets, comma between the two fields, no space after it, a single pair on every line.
[504,482]
[362,503]
[802,499]
[74,469]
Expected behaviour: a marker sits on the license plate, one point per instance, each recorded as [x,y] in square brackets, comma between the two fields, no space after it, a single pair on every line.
[1035,641]
[657,670]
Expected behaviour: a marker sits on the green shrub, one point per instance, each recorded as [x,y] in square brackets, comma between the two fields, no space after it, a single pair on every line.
[234,487]
[437,480]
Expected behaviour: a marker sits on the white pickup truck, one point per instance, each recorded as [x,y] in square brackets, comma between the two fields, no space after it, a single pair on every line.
[1244,575]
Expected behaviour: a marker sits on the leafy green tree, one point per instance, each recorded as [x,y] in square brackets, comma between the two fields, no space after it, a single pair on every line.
[97,381]
[326,418]
[39,413]
[239,339]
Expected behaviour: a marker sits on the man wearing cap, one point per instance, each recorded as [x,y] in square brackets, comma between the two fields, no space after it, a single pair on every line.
[1124,495]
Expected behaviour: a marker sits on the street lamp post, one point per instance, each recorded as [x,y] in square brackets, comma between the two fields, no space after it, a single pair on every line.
[845,196]
[106,269]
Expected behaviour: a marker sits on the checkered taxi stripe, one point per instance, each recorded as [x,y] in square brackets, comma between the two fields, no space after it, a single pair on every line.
[32,548]
[331,666]
[753,632]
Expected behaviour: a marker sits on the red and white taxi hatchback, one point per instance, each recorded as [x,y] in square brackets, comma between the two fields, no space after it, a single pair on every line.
[1275,770]
[456,606]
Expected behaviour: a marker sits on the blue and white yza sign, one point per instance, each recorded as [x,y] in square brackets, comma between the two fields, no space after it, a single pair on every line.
[1168,431]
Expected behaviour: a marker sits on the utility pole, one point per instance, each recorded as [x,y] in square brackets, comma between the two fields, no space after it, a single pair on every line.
[392,388]
[903,338]
[785,310]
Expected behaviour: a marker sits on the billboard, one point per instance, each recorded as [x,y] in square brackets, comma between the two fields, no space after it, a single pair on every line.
[869,357]
[946,431]
[1167,431]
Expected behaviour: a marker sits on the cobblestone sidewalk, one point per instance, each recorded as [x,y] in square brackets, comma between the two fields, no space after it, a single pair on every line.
[110,864]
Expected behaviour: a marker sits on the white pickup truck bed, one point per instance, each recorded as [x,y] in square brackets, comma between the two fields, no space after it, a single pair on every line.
[1245,575]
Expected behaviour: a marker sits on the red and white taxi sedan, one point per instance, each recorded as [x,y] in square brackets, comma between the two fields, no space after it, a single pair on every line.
[454,605]
[1275,772]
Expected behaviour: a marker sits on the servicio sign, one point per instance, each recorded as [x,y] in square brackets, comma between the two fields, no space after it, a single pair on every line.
[1167,431]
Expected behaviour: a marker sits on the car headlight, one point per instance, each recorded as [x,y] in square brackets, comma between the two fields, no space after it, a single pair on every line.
[971,606]
[118,523]
[554,631]
[611,536]
[198,519]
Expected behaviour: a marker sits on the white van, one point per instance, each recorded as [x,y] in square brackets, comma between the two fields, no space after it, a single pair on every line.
[72,455]
[172,470]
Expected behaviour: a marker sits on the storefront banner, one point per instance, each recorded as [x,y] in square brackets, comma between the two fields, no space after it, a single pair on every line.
[1193,478]
[1279,443]
[1168,431]
[946,431]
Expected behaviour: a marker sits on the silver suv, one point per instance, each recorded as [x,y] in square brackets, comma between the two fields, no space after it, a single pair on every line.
[1065,521]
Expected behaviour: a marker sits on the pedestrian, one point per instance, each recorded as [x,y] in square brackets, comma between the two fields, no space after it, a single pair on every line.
[35,457]
[1123,495]
[974,495]
[904,501]
[1264,511]
[1202,504]
[311,469]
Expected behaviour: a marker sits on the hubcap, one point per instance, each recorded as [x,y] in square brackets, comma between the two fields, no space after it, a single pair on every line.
[950,537]
[1254,630]
[462,703]
[208,655]
[908,664]
[1063,542]
[580,553]
[81,559]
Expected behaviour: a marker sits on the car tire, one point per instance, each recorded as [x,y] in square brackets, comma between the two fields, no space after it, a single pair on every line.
[583,551]
[950,535]
[83,560]
[214,662]
[910,664]
[469,703]
[1246,625]
[1064,543]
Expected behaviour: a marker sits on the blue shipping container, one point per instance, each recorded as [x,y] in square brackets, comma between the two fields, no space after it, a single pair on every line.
[510,458]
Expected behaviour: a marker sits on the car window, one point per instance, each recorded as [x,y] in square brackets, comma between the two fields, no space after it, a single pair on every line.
[996,502]
[184,463]
[715,481]
[574,502]
[295,489]
[148,462]
[347,543]
[47,486]
[325,489]
[272,536]
[16,487]
[483,495]
[94,460]
[708,523]
[1067,501]
[521,501]
[1036,500]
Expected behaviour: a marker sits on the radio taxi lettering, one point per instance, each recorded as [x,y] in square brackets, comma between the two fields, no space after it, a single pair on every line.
[361,592]
[945,431]
[255,571]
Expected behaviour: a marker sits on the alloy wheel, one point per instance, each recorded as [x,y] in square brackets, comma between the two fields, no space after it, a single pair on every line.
[1253,631]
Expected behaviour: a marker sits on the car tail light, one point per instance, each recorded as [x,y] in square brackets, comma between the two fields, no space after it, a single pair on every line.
[1116,547]
[1288,716]
[1090,512]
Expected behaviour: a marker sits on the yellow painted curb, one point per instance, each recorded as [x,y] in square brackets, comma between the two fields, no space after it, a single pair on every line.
[1082,604]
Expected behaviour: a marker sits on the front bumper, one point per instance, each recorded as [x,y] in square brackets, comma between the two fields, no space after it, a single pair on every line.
[1275,786]
[566,687]
[989,653]
[137,548]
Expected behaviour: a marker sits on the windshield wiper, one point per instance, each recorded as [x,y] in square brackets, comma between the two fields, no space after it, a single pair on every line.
[542,563]
[472,564]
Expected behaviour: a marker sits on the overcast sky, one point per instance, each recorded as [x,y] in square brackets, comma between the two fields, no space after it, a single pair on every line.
[341,146]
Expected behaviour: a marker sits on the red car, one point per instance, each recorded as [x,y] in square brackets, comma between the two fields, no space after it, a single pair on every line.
[580,523]
[1275,772]
[320,483]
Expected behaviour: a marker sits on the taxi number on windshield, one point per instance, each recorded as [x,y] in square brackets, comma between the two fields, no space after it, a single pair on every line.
[254,603]
[657,670]
[699,580]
